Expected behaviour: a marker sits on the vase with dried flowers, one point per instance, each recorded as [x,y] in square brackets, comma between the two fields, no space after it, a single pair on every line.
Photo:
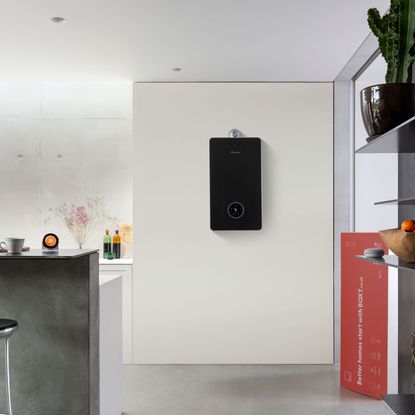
[82,219]
[126,232]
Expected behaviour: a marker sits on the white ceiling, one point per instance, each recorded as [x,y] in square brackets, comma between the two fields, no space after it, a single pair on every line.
[212,40]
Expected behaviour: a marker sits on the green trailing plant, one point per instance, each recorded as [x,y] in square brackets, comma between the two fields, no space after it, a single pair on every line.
[395,32]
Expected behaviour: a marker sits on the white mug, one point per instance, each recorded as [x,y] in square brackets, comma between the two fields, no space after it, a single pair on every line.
[13,245]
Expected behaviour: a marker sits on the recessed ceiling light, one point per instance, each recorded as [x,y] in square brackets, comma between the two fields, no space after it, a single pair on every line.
[58,19]
[177,69]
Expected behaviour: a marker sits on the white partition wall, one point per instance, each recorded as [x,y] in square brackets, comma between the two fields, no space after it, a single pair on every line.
[376,177]
[233,297]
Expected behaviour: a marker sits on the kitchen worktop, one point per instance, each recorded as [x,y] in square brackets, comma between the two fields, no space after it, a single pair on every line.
[39,254]
[119,261]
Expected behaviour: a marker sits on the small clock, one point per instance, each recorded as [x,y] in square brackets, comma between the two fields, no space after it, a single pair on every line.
[50,243]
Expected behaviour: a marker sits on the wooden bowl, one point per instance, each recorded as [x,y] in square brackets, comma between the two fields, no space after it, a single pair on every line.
[401,243]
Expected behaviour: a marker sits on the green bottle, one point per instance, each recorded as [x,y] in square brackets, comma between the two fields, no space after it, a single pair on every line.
[107,243]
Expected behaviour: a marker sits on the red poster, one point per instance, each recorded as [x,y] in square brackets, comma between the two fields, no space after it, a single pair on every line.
[364,317]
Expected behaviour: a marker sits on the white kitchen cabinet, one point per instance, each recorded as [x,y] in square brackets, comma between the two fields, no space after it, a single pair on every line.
[123,267]
[110,343]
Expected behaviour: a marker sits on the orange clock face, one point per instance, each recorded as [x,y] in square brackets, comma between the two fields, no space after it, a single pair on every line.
[50,241]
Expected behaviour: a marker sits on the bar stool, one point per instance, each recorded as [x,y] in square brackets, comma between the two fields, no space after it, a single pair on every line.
[7,328]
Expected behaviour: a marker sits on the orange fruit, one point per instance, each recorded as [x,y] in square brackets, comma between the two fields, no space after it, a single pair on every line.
[408,226]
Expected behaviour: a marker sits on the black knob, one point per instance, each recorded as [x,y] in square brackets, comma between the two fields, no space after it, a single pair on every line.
[236,210]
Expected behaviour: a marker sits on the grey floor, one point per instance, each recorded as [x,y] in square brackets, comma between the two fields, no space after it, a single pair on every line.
[241,390]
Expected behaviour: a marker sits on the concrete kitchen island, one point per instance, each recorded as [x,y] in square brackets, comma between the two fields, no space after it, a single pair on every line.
[55,351]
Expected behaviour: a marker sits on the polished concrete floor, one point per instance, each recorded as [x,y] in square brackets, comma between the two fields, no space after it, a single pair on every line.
[241,390]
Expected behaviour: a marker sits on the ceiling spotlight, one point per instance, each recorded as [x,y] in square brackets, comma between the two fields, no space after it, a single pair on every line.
[177,69]
[58,19]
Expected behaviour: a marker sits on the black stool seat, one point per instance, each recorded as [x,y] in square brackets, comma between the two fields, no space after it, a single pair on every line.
[6,324]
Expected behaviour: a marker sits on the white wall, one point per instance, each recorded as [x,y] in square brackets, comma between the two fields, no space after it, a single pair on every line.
[376,175]
[89,125]
[233,297]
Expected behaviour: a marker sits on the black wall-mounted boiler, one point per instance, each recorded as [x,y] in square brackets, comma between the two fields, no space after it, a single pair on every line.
[235,184]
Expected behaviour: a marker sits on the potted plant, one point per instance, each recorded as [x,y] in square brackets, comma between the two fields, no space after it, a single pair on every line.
[387,105]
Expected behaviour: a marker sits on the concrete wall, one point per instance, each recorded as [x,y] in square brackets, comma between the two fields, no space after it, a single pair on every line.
[59,144]
[233,297]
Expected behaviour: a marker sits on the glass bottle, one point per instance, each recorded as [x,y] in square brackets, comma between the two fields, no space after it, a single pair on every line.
[107,243]
[116,244]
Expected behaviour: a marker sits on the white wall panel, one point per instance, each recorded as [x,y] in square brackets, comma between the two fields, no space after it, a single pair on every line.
[376,175]
[233,297]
